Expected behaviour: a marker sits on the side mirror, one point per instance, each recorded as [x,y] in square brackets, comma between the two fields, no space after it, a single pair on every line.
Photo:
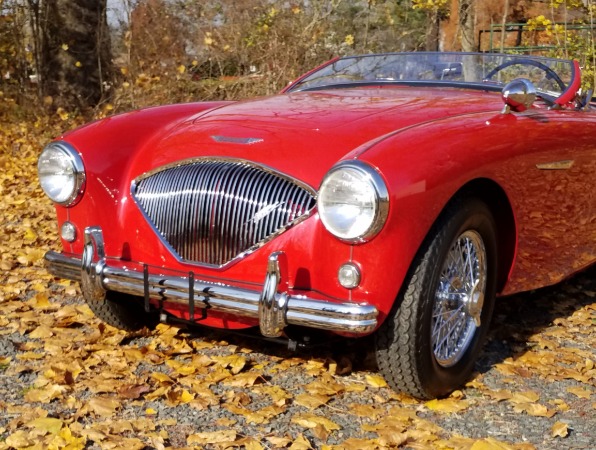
[518,95]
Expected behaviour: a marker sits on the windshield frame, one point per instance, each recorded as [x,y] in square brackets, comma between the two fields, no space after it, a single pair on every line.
[566,95]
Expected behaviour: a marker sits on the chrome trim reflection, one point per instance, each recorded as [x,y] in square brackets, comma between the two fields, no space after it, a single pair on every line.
[212,211]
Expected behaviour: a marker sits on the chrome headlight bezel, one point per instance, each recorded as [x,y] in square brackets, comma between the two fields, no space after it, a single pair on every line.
[352,176]
[60,159]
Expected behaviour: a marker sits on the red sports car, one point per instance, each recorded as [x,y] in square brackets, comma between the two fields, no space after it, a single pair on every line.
[394,194]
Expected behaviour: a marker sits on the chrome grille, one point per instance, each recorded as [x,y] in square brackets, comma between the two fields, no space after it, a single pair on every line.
[210,212]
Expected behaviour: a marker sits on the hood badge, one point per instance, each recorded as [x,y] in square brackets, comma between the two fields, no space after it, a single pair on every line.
[236,140]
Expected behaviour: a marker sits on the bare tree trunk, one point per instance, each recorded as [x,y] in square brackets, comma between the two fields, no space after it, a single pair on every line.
[33,7]
[466,25]
[433,31]
[503,23]
[76,56]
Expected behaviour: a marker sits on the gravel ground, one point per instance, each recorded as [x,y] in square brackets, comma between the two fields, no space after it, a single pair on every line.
[111,390]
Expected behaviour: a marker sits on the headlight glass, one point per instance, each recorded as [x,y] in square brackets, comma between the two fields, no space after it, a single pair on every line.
[353,201]
[61,173]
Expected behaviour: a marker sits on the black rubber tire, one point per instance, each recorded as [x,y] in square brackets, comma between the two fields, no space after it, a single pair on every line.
[403,342]
[122,311]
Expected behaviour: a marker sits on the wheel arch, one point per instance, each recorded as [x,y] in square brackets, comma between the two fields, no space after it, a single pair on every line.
[493,195]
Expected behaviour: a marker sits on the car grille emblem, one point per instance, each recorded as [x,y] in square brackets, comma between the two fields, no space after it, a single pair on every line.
[264,212]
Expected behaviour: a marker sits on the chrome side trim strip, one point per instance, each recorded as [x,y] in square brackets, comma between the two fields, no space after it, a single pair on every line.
[556,165]
[272,308]
[236,140]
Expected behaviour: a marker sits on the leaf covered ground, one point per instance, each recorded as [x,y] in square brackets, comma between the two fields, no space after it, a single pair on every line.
[68,381]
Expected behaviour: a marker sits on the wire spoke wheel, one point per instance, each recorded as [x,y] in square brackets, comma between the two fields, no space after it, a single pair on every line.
[458,299]
[429,343]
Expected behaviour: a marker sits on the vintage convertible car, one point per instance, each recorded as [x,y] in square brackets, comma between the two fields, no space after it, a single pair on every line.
[394,194]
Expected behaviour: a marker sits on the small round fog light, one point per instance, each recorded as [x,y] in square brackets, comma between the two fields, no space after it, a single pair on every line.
[68,232]
[349,275]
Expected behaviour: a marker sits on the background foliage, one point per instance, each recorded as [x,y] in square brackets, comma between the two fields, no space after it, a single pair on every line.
[166,51]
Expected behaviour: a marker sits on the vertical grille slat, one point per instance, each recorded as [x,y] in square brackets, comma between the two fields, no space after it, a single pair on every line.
[212,211]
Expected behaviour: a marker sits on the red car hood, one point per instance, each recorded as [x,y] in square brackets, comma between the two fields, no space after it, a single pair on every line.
[303,134]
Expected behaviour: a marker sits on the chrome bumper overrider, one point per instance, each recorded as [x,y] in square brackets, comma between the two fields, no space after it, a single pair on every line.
[274,307]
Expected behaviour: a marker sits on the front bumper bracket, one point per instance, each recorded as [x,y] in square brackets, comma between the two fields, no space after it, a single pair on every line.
[274,307]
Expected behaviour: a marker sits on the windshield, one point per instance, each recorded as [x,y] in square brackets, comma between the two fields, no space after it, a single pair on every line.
[489,71]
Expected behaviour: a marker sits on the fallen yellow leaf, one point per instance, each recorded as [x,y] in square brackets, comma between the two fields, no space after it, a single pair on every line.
[490,444]
[41,332]
[311,401]
[252,444]
[19,439]
[447,405]
[534,409]
[179,397]
[560,429]
[242,379]
[5,360]
[104,406]
[30,355]
[162,378]
[312,420]
[580,392]
[46,394]
[376,381]
[300,443]
[282,442]
[500,395]
[525,397]
[211,437]
[47,425]
[235,362]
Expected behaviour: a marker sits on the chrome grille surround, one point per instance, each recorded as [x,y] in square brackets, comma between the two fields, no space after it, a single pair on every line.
[213,211]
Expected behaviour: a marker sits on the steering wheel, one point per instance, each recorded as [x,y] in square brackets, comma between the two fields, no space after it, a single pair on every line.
[550,73]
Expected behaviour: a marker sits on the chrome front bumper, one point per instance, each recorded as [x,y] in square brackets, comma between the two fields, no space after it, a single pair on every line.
[274,307]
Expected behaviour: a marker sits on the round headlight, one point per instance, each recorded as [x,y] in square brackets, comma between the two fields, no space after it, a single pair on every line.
[353,201]
[61,173]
